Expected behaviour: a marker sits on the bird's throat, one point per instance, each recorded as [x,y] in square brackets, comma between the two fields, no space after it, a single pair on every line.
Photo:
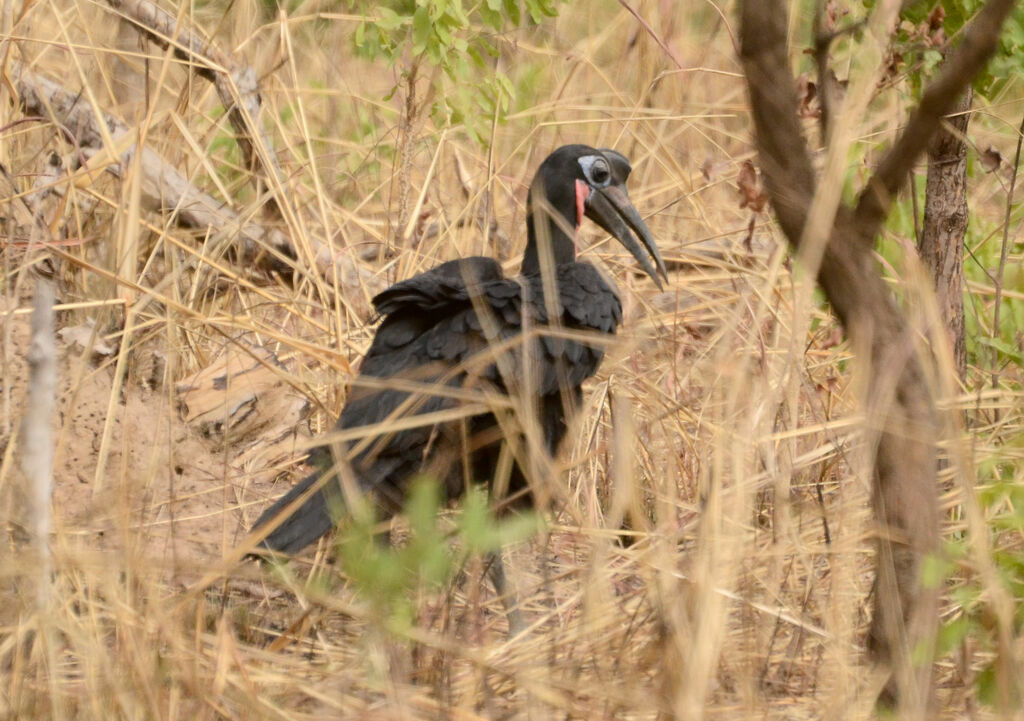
[582,194]
[552,227]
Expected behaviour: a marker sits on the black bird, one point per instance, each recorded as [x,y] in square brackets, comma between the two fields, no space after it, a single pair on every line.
[459,327]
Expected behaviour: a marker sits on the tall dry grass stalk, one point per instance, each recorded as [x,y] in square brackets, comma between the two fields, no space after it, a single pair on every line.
[721,436]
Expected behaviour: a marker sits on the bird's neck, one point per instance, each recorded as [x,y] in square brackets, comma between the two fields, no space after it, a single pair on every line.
[548,231]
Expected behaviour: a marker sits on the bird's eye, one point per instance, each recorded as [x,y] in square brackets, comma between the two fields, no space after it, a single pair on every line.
[596,170]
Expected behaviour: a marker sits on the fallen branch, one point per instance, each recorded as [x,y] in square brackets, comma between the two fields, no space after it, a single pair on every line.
[236,85]
[164,189]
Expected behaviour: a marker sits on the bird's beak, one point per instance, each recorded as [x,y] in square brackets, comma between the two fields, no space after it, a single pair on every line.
[611,208]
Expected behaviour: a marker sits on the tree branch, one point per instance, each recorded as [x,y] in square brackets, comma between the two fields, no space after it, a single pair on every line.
[939,100]
[785,160]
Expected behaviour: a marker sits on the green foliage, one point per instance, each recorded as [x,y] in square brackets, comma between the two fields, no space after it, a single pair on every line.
[482,534]
[389,576]
[917,42]
[1008,59]
[985,240]
[456,41]
[1001,494]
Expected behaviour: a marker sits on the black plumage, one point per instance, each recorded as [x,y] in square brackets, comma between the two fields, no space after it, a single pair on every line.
[456,332]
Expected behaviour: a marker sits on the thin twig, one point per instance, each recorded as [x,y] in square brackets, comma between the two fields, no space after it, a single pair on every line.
[237,85]
[822,42]
[1002,258]
[654,36]
[164,188]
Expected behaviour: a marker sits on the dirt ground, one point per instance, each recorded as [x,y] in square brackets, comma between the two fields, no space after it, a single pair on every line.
[187,468]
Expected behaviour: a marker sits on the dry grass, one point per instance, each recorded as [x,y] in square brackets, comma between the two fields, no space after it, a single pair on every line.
[723,422]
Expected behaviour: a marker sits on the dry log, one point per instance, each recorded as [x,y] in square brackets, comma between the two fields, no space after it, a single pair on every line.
[164,189]
[236,85]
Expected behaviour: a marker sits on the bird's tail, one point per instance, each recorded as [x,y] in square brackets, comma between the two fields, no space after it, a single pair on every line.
[308,522]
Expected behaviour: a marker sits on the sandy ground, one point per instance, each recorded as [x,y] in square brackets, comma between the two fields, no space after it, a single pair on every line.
[186,469]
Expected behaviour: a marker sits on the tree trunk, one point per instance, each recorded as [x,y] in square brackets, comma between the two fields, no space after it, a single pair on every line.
[899,409]
[945,225]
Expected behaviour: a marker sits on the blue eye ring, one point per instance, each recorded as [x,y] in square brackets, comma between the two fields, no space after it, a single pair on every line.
[596,170]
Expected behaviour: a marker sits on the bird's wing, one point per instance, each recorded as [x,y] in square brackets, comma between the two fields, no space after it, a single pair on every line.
[440,334]
[439,287]
[413,307]
[587,305]
[421,357]
[442,331]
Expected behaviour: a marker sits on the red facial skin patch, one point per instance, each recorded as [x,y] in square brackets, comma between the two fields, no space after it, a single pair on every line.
[582,194]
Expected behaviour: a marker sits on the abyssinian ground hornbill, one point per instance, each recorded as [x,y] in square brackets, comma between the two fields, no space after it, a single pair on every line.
[464,326]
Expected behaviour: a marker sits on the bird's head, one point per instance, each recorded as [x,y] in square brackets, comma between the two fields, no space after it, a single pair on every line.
[578,181]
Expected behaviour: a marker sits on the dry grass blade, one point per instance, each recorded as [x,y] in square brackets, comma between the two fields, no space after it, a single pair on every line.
[709,541]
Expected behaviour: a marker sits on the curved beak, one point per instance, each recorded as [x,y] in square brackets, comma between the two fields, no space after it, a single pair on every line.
[611,208]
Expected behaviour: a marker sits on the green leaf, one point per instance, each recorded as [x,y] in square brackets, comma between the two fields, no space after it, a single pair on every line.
[460,68]
[506,91]
[534,11]
[421,29]
[1003,347]
[483,533]
[422,503]
[547,7]
[474,521]
[987,688]
[458,13]
[519,528]
[952,634]
[443,33]
[512,10]
[930,59]
[436,52]
[434,565]
[388,19]
[488,48]
[491,18]
[934,570]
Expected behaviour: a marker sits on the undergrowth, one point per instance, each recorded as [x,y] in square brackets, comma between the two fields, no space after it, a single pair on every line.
[711,554]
